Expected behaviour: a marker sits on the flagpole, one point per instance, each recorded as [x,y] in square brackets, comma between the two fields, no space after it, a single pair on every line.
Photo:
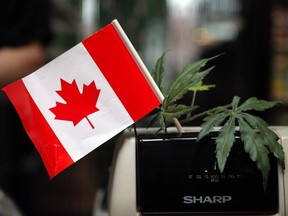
[137,59]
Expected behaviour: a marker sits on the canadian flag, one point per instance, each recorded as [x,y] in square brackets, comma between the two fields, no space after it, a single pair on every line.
[84,97]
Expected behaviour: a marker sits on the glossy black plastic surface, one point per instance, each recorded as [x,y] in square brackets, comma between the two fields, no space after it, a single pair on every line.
[176,174]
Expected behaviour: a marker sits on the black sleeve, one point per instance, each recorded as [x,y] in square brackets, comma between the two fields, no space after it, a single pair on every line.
[24,21]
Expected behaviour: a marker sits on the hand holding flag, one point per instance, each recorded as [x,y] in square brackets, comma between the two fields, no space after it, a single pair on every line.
[84,97]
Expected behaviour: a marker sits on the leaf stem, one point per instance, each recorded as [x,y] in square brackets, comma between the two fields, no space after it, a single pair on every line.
[178,126]
[192,103]
[205,113]
[193,98]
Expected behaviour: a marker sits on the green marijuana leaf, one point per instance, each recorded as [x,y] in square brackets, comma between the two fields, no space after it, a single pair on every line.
[259,141]
[201,87]
[189,77]
[158,72]
[224,142]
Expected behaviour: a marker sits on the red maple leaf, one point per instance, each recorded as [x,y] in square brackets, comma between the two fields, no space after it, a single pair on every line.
[78,105]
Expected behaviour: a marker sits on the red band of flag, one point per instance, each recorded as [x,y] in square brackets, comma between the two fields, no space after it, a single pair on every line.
[53,154]
[120,73]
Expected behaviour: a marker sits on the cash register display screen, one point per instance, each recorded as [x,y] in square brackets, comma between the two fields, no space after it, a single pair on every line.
[176,174]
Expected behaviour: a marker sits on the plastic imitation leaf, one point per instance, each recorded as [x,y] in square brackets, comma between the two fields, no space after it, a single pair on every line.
[78,105]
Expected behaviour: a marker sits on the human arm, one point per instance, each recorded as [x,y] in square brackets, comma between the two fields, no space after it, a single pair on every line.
[17,62]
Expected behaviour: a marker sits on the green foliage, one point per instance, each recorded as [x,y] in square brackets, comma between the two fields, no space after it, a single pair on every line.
[258,139]
[189,77]
[158,72]
[201,87]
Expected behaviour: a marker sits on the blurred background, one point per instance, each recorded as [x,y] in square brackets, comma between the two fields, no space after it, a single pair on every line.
[252,34]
